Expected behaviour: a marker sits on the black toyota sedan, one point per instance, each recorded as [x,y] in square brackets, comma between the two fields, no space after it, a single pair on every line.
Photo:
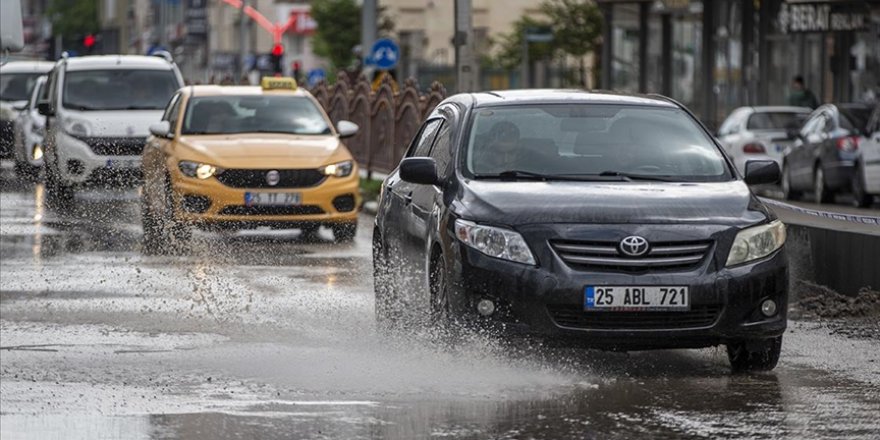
[609,220]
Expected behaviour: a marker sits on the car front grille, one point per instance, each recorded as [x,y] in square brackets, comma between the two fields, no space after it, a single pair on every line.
[606,255]
[241,178]
[574,316]
[115,146]
[272,210]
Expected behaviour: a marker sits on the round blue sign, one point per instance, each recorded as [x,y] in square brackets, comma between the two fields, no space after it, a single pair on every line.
[384,54]
[315,76]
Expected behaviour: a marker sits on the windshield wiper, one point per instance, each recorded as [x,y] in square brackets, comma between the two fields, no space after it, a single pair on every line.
[630,176]
[141,107]
[520,174]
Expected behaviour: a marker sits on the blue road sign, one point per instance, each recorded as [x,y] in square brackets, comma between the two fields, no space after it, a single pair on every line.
[316,75]
[384,54]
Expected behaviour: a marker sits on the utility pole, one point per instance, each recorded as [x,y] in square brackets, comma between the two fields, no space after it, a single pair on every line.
[369,19]
[466,73]
[242,43]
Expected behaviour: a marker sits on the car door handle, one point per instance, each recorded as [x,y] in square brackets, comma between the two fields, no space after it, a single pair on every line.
[408,198]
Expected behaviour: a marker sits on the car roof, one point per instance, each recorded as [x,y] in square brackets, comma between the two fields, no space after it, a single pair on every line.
[27,67]
[214,90]
[118,62]
[780,109]
[561,96]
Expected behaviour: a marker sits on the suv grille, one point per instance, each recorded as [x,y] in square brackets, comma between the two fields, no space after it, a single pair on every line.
[575,317]
[257,178]
[115,146]
[606,256]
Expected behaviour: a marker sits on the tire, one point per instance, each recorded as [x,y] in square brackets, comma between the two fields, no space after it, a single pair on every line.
[344,232]
[58,196]
[309,233]
[27,172]
[387,308]
[787,191]
[171,231]
[152,239]
[754,355]
[821,192]
[861,198]
[438,278]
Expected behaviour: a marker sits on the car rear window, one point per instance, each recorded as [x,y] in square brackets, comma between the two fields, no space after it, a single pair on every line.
[592,139]
[854,118]
[776,120]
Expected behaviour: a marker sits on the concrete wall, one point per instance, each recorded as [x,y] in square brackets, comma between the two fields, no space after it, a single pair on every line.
[843,261]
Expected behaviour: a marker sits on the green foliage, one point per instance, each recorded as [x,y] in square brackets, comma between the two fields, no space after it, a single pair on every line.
[73,17]
[339,30]
[509,55]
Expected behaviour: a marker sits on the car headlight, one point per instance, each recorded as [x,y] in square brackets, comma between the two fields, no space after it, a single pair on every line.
[494,242]
[77,128]
[200,170]
[341,169]
[756,242]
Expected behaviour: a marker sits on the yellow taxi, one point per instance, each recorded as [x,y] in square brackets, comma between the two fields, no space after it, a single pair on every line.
[236,157]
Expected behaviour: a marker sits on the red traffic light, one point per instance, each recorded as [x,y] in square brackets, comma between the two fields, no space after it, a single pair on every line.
[277,50]
[89,41]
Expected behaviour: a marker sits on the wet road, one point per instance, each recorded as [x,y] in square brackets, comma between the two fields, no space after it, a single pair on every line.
[260,335]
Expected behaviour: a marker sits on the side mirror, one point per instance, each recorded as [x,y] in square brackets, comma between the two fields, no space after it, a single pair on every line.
[420,170]
[45,109]
[347,129]
[162,129]
[760,172]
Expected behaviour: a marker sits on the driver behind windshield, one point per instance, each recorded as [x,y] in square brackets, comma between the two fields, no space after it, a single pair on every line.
[500,150]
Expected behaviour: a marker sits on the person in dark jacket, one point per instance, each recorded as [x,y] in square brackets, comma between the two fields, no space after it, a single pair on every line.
[800,95]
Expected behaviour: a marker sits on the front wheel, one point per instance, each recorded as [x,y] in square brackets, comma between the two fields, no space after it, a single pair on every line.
[754,355]
[861,198]
[787,191]
[821,192]
[344,232]
[387,304]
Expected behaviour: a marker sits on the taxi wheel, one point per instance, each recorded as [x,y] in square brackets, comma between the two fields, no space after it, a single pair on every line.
[760,355]
[344,232]
[152,239]
[172,228]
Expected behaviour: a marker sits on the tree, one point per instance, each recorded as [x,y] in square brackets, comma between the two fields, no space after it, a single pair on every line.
[509,55]
[577,28]
[74,17]
[338,32]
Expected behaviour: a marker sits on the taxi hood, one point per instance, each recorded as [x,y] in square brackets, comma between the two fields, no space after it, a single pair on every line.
[265,150]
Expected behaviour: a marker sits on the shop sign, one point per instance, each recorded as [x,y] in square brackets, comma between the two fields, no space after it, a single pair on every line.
[822,17]
[196,18]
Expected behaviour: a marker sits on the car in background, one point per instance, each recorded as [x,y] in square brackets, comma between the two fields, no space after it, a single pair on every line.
[17,81]
[759,133]
[823,155]
[230,157]
[28,140]
[601,219]
[99,110]
[866,180]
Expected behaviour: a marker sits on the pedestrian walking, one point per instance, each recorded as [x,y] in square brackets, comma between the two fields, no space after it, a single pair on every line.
[800,95]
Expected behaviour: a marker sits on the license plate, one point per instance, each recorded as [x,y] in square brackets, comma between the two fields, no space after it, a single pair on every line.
[271,199]
[779,147]
[123,163]
[636,298]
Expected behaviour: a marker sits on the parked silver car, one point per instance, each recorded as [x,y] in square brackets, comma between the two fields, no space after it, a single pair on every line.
[30,126]
[760,133]
[866,180]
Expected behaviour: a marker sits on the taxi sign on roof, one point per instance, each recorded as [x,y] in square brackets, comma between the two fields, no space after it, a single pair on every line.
[278,83]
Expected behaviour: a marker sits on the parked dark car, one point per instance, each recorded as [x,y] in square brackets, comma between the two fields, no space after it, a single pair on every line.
[611,220]
[823,157]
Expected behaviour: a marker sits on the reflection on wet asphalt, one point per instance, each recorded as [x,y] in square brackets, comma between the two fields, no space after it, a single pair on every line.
[262,335]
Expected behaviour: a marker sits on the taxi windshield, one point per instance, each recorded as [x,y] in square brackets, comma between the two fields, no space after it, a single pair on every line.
[118,89]
[585,141]
[254,114]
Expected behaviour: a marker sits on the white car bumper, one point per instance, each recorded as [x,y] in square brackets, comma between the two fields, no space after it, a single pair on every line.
[78,164]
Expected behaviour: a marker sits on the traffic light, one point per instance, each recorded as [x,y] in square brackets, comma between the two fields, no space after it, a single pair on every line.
[296,69]
[277,54]
[88,43]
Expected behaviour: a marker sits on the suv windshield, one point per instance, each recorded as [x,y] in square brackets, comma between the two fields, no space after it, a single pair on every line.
[17,86]
[118,89]
[598,140]
[253,114]
[776,120]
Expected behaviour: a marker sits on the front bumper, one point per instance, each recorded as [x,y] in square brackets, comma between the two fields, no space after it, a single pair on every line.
[77,164]
[211,204]
[548,301]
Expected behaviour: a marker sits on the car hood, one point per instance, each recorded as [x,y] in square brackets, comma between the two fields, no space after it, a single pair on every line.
[522,203]
[265,150]
[118,123]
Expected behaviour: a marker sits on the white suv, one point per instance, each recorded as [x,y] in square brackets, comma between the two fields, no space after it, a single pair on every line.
[99,110]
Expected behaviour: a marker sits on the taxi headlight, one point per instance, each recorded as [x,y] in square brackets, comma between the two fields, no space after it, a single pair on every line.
[200,170]
[341,169]
[756,242]
[494,242]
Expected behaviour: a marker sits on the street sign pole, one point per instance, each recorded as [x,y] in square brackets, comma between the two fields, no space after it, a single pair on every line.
[465,63]
[368,28]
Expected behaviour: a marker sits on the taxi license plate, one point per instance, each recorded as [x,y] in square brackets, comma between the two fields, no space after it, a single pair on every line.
[636,298]
[123,163]
[271,199]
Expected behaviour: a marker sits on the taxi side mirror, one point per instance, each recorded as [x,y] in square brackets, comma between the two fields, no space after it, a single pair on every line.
[347,129]
[162,130]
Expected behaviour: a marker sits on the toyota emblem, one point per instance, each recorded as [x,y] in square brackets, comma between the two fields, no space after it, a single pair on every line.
[273,177]
[634,246]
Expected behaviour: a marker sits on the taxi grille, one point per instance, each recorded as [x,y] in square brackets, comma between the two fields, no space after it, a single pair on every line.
[605,255]
[239,178]
[575,317]
[115,146]
[272,210]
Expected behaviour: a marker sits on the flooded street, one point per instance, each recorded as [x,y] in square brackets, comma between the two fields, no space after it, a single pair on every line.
[260,334]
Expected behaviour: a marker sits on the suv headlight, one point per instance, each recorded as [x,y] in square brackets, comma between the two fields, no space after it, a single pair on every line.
[494,242]
[756,242]
[196,169]
[340,169]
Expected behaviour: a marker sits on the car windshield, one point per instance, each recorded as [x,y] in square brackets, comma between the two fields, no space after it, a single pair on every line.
[776,120]
[854,118]
[254,114]
[599,140]
[17,86]
[118,89]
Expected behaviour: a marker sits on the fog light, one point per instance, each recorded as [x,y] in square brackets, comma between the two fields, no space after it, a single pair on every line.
[486,307]
[38,152]
[768,308]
